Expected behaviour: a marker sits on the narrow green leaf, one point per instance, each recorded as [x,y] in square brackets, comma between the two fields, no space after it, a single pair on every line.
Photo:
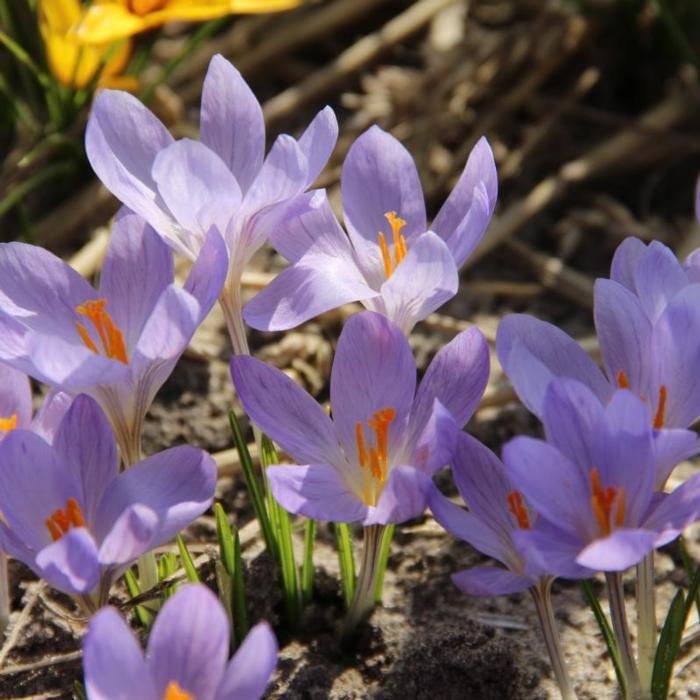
[346,560]
[240,614]
[224,587]
[693,575]
[79,691]
[187,562]
[605,630]
[254,488]
[385,550]
[167,566]
[144,617]
[307,566]
[667,649]
[223,534]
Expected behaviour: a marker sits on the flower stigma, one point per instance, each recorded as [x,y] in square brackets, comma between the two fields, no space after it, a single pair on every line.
[175,692]
[603,501]
[110,334]
[517,507]
[61,521]
[374,459]
[8,424]
[399,243]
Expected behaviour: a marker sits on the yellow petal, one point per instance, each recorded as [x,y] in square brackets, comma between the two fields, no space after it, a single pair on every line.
[107,22]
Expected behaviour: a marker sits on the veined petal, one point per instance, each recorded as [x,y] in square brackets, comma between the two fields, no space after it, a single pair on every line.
[284,411]
[618,551]
[318,141]
[70,564]
[130,536]
[231,121]
[488,581]
[15,400]
[426,278]
[549,550]
[659,277]
[623,268]
[208,273]
[435,446]
[316,491]
[679,509]
[50,414]
[671,447]
[405,496]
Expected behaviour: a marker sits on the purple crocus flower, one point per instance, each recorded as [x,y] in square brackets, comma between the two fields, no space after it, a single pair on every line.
[593,483]
[76,521]
[186,658]
[183,188]
[392,262]
[118,343]
[372,462]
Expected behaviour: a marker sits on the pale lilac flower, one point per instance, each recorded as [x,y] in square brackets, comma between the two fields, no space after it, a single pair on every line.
[392,261]
[183,188]
[186,657]
[593,483]
[117,343]
[76,521]
[372,462]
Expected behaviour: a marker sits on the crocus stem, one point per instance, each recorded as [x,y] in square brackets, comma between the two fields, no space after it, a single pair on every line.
[231,305]
[542,595]
[646,620]
[363,601]
[5,593]
[618,615]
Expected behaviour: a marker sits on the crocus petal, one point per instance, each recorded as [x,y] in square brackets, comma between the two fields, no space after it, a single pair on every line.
[122,140]
[532,352]
[405,496]
[671,447]
[252,665]
[624,331]
[623,268]
[129,537]
[15,397]
[488,581]
[426,278]
[86,444]
[373,369]
[549,550]
[113,662]
[617,552]
[549,481]
[198,188]
[457,377]
[379,176]
[315,284]
[208,273]
[50,414]
[436,443]
[677,510]
[176,484]
[70,564]
[316,491]
[137,268]
[659,277]
[189,643]
[318,141]
[231,121]
[284,411]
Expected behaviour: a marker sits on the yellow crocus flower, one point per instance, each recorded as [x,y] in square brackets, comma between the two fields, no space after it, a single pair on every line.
[109,20]
[72,63]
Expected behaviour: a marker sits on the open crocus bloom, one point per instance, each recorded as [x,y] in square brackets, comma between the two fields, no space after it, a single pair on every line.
[117,343]
[496,510]
[593,483]
[391,262]
[373,461]
[186,658]
[76,521]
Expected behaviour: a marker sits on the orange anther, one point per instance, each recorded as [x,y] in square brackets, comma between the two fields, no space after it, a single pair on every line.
[517,507]
[661,408]
[622,381]
[61,520]
[374,457]
[603,500]
[398,241]
[386,256]
[9,423]
[361,449]
[143,7]
[110,335]
[175,692]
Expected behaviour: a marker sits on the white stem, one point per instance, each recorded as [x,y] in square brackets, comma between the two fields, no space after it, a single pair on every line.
[232,308]
[646,620]
[5,593]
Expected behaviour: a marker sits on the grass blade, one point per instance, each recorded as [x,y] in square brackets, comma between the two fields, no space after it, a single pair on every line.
[669,644]
[144,617]
[343,538]
[307,566]
[186,559]
[384,551]
[223,534]
[240,614]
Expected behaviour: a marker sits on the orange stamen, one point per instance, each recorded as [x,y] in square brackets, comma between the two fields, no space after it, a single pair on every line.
[375,457]
[661,409]
[622,381]
[603,500]
[517,507]
[399,241]
[110,335]
[143,7]
[361,449]
[175,692]
[386,256]
[7,424]
[61,520]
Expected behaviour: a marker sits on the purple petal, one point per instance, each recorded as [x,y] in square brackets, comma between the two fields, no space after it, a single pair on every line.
[284,411]
[533,352]
[672,447]
[113,662]
[316,491]
[549,550]
[318,141]
[677,510]
[659,277]
[129,537]
[86,444]
[208,273]
[70,564]
[436,443]
[138,267]
[15,397]
[405,496]
[249,672]
[197,187]
[623,269]
[189,643]
[617,552]
[426,278]
[50,414]
[231,121]
[488,581]
[373,370]
[312,286]
[379,176]
[122,140]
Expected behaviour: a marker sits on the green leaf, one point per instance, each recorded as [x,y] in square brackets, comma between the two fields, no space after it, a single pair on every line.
[187,562]
[79,691]
[240,614]
[346,560]
[307,566]
[144,617]
[605,630]
[669,644]
[223,534]
[385,550]
[167,566]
